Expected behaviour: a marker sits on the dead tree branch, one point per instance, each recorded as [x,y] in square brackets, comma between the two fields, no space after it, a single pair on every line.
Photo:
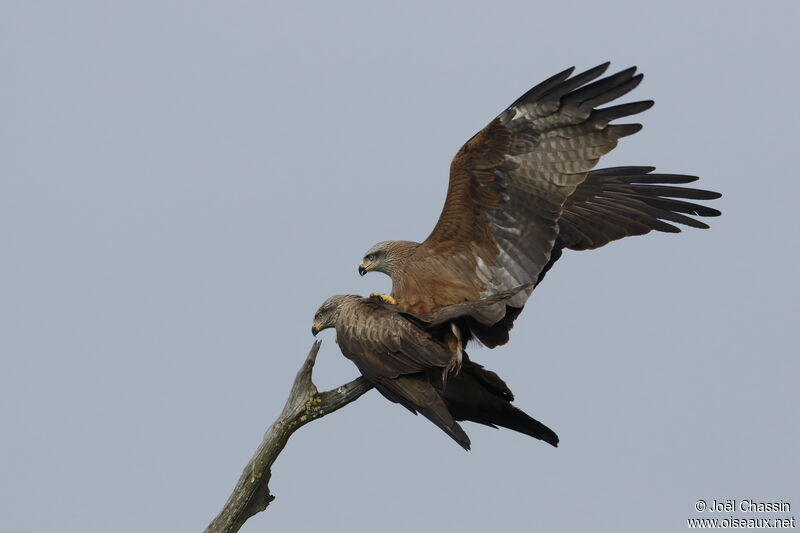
[251,494]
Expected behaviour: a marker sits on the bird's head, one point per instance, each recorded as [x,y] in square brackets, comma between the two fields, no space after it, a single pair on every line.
[328,313]
[385,256]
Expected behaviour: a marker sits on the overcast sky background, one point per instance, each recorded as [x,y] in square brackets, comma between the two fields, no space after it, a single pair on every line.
[183,183]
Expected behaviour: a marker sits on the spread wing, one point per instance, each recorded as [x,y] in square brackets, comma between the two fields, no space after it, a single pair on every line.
[613,203]
[509,183]
[619,202]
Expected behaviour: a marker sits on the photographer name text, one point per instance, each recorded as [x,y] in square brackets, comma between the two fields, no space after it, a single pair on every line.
[742,506]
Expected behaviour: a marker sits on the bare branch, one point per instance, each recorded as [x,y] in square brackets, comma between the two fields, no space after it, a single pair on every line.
[251,494]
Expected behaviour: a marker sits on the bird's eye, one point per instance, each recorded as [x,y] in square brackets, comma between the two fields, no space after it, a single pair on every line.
[371,257]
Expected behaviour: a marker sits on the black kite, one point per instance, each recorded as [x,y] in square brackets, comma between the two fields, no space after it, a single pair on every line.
[521,190]
[406,358]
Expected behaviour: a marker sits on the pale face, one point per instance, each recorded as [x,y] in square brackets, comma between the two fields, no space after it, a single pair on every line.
[326,315]
[375,259]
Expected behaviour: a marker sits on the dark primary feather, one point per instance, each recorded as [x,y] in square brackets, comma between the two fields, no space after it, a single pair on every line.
[553,81]
[618,202]
[416,394]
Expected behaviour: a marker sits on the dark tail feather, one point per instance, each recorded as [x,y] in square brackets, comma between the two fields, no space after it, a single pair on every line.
[490,381]
[516,419]
[479,395]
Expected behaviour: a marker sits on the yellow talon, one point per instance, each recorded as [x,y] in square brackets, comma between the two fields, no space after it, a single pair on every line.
[385,297]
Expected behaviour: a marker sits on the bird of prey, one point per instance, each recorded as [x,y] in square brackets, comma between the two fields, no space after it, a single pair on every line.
[405,357]
[522,189]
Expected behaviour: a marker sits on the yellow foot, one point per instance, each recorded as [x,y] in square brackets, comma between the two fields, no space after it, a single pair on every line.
[385,297]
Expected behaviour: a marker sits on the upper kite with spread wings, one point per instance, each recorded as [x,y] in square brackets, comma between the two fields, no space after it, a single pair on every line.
[522,189]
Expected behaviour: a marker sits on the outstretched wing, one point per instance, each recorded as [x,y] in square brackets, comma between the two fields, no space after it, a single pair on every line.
[619,202]
[508,184]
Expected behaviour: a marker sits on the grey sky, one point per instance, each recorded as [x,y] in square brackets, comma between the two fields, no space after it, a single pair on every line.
[182,183]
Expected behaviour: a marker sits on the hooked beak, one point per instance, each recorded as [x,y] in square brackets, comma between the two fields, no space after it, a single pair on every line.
[363,268]
[316,327]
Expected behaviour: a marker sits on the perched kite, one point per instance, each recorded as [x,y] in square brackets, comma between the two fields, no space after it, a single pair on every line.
[406,358]
[521,190]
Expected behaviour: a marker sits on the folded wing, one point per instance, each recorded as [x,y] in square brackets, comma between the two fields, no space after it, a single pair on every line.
[405,362]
